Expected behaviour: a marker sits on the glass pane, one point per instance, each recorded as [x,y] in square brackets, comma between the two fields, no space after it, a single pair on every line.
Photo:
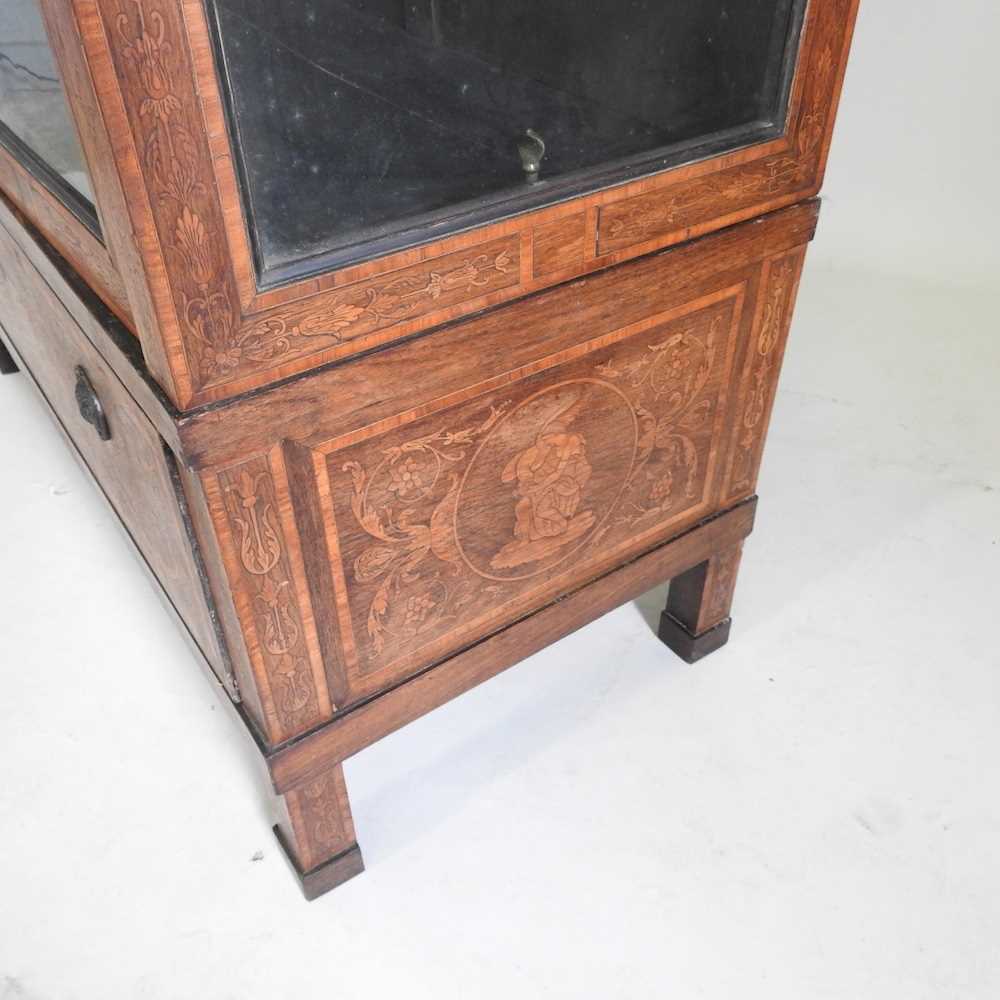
[363,120]
[32,102]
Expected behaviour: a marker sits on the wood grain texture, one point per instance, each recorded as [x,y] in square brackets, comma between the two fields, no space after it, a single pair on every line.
[319,825]
[151,63]
[423,526]
[323,565]
[701,598]
[696,619]
[559,246]
[680,208]
[444,286]
[353,730]
[243,682]
[315,831]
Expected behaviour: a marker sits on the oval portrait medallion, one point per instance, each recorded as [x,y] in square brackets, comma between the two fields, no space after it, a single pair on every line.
[545,479]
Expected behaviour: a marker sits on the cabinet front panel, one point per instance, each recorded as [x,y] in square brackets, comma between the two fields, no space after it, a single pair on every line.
[425,532]
[456,524]
[383,514]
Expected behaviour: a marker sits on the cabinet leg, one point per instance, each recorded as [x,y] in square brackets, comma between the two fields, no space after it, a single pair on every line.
[8,366]
[696,620]
[316,832]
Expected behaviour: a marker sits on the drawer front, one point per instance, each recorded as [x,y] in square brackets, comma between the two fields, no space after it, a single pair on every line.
[363,558]
[91,404]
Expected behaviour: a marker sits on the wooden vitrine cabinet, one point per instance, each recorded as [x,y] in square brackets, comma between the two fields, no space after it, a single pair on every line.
[406,338]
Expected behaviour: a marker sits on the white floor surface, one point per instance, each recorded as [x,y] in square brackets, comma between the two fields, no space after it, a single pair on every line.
[811,813]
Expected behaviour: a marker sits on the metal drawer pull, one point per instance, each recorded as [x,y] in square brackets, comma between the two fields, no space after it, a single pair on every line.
[91,408]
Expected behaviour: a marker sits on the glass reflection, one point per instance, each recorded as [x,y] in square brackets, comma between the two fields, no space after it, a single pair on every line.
[32,102]
[361,118]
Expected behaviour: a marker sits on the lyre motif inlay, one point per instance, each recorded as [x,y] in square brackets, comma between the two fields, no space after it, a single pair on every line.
[260,548]
[251,505]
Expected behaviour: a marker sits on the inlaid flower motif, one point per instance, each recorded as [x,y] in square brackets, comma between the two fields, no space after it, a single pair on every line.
[253,514]
[149,53]
[337,317]
[418,608]
[405,478]
[194,246]
[681,357]
[663,487]
[297,691]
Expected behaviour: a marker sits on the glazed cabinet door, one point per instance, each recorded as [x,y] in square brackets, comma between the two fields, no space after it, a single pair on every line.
[292,184]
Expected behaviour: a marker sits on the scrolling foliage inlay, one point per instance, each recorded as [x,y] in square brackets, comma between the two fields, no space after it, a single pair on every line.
[148,45]
[370,306]
[461,514]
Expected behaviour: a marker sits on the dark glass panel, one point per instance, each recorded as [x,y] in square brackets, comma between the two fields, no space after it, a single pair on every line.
[32,102]
[364,125]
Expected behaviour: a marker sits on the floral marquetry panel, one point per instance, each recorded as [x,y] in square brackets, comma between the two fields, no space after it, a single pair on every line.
[289,185]
[462,521]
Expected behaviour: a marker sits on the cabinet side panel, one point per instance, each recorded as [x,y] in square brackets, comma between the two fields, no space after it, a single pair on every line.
[448,526]
[627,409]
[129,463]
